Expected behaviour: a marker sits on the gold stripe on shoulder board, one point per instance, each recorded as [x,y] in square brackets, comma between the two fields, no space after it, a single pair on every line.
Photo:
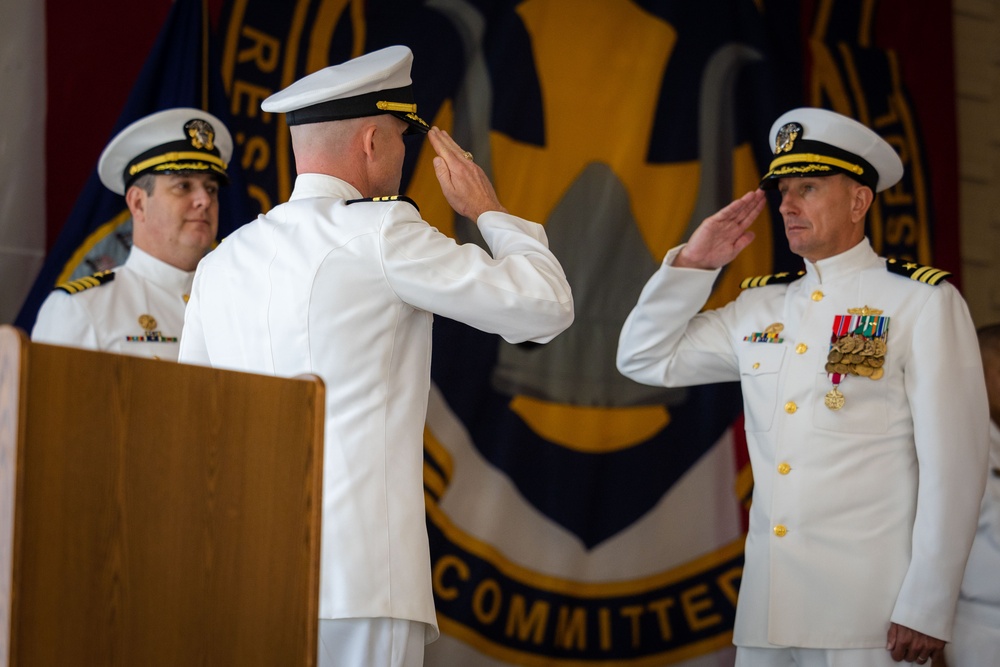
[85,283]
[918,272]
[771,279]
[388,198]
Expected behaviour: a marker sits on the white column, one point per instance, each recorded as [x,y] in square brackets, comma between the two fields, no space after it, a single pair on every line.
[22,151]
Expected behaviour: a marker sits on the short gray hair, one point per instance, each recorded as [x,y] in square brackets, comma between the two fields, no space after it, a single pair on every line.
[147,182]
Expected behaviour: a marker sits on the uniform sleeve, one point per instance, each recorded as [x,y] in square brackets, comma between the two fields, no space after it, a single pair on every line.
[193,349]
[64,320]
[520,292]
[947,396]
[666,342]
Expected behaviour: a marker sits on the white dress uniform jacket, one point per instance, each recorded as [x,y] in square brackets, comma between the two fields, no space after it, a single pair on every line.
[977,621]
[860,515]
[110,316]
[348,292]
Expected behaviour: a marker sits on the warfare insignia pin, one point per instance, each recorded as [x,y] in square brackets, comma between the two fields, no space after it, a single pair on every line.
[786,137]
[147,322]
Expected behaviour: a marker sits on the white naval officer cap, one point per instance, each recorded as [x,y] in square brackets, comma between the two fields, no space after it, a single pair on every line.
[819,142]
[173,141]
[369,85]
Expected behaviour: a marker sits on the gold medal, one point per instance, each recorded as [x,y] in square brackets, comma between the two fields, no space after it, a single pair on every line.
[864,371]
[834,399]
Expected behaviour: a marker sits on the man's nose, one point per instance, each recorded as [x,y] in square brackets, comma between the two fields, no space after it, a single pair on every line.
[788,204]
[201,196]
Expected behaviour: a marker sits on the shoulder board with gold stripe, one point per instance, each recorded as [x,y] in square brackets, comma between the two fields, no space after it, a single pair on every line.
[772,279]
[914,271]
[383,199]
[80,284]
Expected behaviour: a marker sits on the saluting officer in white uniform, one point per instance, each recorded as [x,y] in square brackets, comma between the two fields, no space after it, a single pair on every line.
[169,166]
[865,407]
[343,281]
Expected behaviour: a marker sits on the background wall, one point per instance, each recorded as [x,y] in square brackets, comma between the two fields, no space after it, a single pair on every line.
[977,69]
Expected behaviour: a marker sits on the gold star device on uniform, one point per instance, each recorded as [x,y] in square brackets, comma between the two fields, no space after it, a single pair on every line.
[373,84]
[174,141]
[820,142]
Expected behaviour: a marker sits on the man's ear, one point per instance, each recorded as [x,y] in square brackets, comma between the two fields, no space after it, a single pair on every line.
[368,140]
[135,198]
[861,201]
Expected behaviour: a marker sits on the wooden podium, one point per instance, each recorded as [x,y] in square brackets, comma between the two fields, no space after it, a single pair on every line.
[154,513]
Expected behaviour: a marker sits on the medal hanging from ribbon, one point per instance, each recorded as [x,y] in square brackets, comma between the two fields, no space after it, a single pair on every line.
[857,347]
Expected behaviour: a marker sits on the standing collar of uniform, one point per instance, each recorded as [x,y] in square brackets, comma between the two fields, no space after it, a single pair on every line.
[157,271]
[322,185]
[856,259]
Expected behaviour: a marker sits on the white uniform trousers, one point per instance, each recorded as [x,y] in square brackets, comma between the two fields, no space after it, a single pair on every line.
[752,656]
[370,642]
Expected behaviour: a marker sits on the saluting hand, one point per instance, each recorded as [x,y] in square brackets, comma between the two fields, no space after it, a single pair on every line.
[723,235]
[464,184]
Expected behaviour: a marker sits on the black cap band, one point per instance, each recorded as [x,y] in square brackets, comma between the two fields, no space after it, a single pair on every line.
[175,157]
[816,158]
[396,101]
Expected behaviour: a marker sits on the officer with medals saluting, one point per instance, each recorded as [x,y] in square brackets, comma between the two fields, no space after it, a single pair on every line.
[868,448]
[169,166]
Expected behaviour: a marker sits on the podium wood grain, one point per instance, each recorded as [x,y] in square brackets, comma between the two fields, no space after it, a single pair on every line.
[162,514]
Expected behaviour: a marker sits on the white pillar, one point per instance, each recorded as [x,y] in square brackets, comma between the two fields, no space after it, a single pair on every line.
[22,151]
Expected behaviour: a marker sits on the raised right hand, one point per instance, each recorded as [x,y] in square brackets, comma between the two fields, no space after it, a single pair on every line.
[464,184]
[723,235]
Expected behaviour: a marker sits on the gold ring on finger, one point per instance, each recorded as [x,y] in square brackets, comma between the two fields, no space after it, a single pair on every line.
[467,155]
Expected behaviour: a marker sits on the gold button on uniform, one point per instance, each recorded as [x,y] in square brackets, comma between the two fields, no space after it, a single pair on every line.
[780,530]
[790,407]
[784,468]
[756,365]
[801,348]
[817,296]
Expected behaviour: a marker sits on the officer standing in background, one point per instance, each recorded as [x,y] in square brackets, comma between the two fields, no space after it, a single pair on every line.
[865,406]
[169,166]
[976,640]
[344,281]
